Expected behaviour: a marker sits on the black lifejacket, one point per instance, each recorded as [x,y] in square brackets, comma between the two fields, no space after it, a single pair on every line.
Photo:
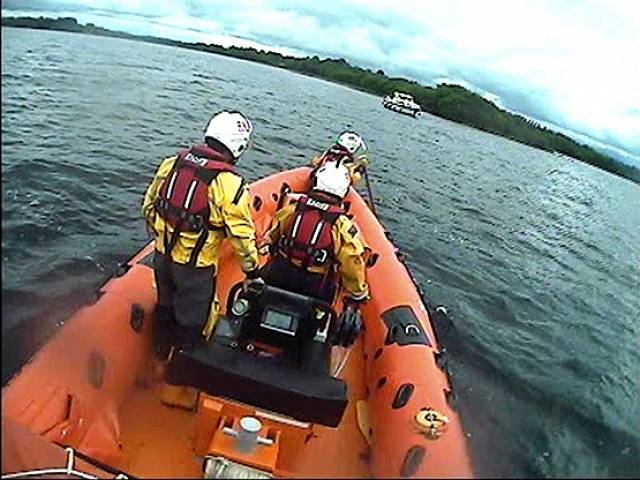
[183,199]
[308,237]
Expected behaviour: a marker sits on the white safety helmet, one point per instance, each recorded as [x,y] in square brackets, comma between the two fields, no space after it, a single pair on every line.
[332,178]
[231,129]
[350,141]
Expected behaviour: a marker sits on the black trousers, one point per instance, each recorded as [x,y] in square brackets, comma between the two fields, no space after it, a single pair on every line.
[186,297]
[281,273]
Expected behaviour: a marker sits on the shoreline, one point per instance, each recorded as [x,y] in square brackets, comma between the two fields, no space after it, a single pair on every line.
[450,102]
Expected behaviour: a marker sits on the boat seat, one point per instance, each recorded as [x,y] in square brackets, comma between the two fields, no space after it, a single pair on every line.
[309,395]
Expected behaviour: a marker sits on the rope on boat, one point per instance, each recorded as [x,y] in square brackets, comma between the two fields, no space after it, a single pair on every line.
[399,254]
[68,470]
[372,204]
[341,364]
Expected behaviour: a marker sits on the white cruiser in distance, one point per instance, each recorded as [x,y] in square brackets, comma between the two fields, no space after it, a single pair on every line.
[402,103]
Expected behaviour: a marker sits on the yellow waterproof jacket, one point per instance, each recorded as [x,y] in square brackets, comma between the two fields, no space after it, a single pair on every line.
[348,250]
[229,209]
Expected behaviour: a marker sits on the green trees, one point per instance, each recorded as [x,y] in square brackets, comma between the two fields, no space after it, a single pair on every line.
[453,102]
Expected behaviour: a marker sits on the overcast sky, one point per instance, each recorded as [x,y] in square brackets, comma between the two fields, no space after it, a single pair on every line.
[572,64]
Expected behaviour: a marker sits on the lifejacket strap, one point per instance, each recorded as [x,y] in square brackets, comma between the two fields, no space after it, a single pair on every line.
[197,248]
[253,274]
[174,238]
[239,192]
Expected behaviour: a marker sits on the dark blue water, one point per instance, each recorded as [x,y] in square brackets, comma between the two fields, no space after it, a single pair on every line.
[536,256]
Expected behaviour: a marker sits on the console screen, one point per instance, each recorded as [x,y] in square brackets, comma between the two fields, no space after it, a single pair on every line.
[279,321]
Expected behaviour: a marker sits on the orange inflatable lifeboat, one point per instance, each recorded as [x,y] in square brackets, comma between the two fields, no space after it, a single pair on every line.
[376,406]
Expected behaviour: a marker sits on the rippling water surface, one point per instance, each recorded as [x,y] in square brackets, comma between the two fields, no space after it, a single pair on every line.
[536,256]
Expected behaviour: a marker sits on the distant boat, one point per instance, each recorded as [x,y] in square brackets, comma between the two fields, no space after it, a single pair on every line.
[402,103]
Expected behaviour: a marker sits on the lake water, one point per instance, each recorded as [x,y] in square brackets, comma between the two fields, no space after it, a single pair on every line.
[536,257]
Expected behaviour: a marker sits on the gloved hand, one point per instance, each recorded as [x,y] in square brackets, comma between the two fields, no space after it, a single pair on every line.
[346,328]
[354,303]
[362,162]
[253,281]
[264,249]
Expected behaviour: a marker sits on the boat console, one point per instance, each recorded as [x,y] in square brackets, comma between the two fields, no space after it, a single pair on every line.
[270,352]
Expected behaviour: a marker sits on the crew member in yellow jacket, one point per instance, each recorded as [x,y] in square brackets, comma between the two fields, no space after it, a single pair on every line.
[314,244]
[349,149]
[195,200]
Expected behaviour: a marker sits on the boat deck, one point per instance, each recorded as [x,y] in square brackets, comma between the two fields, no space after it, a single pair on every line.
[158,440]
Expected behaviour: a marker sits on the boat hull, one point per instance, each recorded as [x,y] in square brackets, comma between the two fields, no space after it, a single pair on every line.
[93,385]
[401,109]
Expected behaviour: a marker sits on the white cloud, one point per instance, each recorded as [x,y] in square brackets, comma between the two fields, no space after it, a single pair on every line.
[572,63]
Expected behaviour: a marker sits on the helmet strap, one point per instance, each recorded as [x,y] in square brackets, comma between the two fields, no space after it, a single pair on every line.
[219,147]
[325,197]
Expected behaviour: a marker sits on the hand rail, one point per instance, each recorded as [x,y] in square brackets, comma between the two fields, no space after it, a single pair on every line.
[68,470]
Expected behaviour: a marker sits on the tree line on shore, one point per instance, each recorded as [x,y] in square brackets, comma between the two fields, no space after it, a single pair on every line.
[452,102]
